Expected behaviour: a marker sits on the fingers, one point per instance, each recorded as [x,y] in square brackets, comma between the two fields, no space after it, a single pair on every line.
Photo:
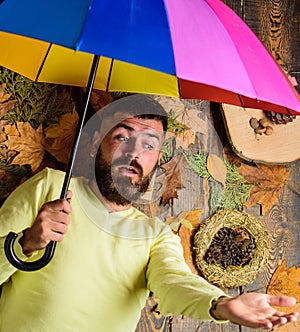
[59,205]
[51,224]
[280,319]
[54,218]
[282,301]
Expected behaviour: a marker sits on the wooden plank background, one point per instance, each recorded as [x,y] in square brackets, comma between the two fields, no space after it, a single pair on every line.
[277,24]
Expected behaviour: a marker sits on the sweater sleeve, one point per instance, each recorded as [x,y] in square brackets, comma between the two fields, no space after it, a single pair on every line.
[180,292]
[18,213]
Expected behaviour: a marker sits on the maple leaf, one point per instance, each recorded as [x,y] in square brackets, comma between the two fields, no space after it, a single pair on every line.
[59,139]
[172,177]
[100,99]
[286,282]
[29,144]
[267,181]
[11,130]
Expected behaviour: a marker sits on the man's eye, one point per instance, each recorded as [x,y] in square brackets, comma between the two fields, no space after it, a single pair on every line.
[148,147]
[123,139]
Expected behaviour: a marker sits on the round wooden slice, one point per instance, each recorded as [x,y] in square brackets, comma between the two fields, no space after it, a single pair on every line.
[281,147]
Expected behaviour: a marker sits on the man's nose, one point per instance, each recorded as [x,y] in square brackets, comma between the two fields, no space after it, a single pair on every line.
[133,148]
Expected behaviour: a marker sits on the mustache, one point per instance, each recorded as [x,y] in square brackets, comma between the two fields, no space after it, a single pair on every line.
[130,162]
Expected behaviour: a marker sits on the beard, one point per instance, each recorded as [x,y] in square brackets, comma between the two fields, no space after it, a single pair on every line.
[116,187]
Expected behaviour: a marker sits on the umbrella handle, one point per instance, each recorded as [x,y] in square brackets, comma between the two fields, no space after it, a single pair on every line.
[50,248]
[27,266]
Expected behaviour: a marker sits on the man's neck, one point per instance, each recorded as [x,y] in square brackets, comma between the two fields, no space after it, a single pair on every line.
[110,206]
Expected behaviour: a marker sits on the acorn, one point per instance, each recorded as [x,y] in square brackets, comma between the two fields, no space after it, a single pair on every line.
[263,122]
[260,130]
[269,130]
[254,123]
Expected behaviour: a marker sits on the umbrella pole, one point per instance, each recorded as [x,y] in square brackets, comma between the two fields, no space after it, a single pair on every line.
[50,248]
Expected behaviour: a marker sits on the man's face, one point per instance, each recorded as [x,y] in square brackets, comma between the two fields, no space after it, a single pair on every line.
[127,157]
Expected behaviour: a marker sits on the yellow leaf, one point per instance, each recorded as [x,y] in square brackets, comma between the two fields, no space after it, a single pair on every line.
[216,168]
[29,144]
[286,282]
[11,130]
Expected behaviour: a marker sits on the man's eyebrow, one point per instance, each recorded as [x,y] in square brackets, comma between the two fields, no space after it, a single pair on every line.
[122,125]
[129,128]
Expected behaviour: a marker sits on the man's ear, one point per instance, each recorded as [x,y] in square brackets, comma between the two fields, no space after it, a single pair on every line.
[95,143]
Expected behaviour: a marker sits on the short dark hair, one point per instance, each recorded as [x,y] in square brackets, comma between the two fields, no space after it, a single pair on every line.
[139,106]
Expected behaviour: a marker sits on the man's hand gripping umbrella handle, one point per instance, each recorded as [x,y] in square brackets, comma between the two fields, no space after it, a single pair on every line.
[50,248]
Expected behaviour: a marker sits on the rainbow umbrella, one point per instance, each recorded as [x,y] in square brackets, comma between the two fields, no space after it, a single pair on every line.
[198,49]
[189,49]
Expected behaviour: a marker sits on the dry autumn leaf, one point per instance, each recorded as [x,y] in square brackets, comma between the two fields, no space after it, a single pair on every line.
[188,223]
[3,96]
[100,99]
[186,236]
[216,168]
[11,130]
[6,107]
[59,139]
[268,181]
[188,118]
[172,177]
[231,157]
[286,282]
[29,144]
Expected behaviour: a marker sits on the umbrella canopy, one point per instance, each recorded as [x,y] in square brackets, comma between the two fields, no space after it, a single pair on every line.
[190,49]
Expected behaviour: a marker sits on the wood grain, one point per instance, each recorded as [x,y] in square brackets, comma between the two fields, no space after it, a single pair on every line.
[277,24]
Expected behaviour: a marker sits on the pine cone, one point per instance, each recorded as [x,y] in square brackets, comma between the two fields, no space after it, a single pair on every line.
[279,118]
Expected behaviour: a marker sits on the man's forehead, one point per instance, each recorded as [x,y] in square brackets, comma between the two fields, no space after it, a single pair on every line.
[135,122]
[142,124]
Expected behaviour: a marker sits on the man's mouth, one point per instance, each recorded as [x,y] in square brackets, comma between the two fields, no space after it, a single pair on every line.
[127,170]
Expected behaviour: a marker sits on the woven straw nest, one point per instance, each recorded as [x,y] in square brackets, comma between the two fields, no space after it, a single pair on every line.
[231,276]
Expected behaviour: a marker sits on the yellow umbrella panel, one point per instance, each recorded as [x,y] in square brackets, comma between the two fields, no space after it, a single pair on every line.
[45,62]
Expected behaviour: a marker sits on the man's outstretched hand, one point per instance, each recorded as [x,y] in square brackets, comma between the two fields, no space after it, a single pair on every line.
[255,310]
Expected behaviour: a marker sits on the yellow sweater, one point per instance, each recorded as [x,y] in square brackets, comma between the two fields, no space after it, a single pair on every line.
[101,273]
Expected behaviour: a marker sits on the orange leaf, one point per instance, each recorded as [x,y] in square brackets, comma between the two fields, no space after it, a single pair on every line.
[11,130]
[268,181]
[286,282]
[186,235]
[29,144]
[59,139]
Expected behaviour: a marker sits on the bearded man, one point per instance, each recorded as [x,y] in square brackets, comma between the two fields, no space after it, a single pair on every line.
[109,255]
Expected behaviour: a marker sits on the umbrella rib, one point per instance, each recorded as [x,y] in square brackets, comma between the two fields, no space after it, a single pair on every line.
[241,100]
[43,63]
[109,74]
